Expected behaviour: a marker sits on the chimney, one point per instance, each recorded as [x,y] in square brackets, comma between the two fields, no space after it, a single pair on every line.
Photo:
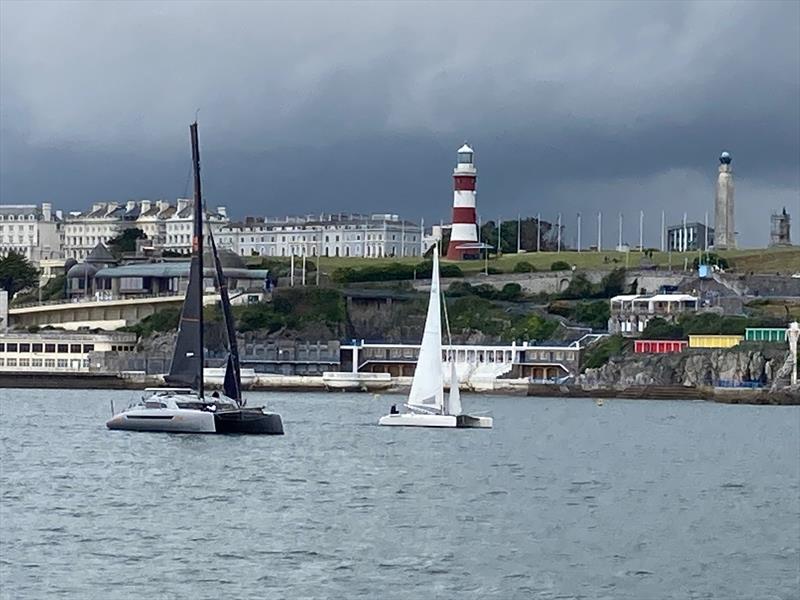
[130,205]
[182,203]
[47,211]
[97,206]
[145,206]
[162,205]
[222,211]
[59,215]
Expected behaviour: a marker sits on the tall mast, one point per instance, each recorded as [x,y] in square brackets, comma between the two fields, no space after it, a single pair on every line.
[197,246]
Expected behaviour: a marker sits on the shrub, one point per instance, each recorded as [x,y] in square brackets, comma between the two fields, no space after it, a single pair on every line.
[579,287]
[494,271]
[595,314]
[474,313]
[160,321]
[393,272]
[510,292]
[599,353]
[560,265]
[524,267]
[561,308]
[534,327]
[459,288]
[450,271]
[659,329]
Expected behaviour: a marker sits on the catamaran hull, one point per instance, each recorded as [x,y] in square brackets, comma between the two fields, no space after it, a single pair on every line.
[178,420]
[424,420]
[248,421]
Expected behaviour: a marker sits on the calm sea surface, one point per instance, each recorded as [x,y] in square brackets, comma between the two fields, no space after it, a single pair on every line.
[563,499]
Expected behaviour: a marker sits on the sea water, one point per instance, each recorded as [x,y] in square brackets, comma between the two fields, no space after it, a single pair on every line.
[562,499]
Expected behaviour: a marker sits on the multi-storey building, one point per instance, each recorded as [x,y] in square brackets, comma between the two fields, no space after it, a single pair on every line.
[630,313]
[37,233]
[167,227]
[178,226]
[689,237]
[370,236]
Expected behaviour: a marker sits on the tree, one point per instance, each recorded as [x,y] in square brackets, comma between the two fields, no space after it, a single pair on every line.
[126,241]
[17,273]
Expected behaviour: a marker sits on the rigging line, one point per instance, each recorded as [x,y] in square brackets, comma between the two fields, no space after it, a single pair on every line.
[446,319]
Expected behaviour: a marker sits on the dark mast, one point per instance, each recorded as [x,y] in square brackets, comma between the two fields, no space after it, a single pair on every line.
[187,359]
[197,251]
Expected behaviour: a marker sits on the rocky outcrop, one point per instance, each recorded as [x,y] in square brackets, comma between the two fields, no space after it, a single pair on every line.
[694,368]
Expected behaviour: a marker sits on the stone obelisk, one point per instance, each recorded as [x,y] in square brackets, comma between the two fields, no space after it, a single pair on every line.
[724,230]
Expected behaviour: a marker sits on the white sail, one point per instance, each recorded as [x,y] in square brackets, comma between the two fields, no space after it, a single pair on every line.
[454,399]
[427,388]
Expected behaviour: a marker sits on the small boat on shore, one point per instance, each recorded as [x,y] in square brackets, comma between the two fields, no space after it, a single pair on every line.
[184,407]
[427,405]
[347,381]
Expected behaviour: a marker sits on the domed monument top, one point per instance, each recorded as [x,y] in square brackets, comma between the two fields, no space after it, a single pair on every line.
[725,157]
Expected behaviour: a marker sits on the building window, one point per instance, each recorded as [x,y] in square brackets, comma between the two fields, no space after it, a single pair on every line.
[37,347]
[11,362]
[24,362]
[11,348]
[63,348]
[2,347]
[2,362]
[24,347]
[62,363]
[50,348]
[88,347]
[49,363]
[36,362]
[131,283]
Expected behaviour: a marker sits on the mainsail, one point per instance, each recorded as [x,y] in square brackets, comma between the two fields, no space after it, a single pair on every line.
[427,387]
[187,359]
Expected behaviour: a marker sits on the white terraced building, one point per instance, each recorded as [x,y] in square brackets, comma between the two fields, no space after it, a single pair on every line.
[167,226]
[35,232]
[370,236]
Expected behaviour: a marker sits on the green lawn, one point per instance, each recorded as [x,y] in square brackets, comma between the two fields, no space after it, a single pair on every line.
[784,260]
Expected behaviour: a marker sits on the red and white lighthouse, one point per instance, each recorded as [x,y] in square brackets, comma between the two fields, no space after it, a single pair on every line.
[464,234]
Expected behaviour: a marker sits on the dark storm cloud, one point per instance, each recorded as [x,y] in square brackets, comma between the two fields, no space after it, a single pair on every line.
[334,106]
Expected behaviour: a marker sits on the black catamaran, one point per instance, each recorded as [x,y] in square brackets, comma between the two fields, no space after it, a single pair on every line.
[185,408]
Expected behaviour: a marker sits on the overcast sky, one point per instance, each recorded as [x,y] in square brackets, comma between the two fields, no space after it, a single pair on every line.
[305,107]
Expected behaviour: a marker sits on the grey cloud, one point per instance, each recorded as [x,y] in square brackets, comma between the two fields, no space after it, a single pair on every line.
[357,106]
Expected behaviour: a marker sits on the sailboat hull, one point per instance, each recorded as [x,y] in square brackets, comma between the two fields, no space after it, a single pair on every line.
[426,420]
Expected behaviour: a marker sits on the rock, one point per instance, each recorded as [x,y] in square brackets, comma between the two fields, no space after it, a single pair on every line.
[692,368]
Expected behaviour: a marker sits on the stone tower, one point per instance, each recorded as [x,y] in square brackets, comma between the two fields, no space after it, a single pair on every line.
[724,230]
[779,234]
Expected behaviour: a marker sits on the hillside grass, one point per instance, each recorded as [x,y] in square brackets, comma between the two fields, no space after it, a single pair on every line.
[767,261]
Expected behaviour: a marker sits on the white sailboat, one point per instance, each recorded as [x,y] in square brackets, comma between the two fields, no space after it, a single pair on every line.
[427,405]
